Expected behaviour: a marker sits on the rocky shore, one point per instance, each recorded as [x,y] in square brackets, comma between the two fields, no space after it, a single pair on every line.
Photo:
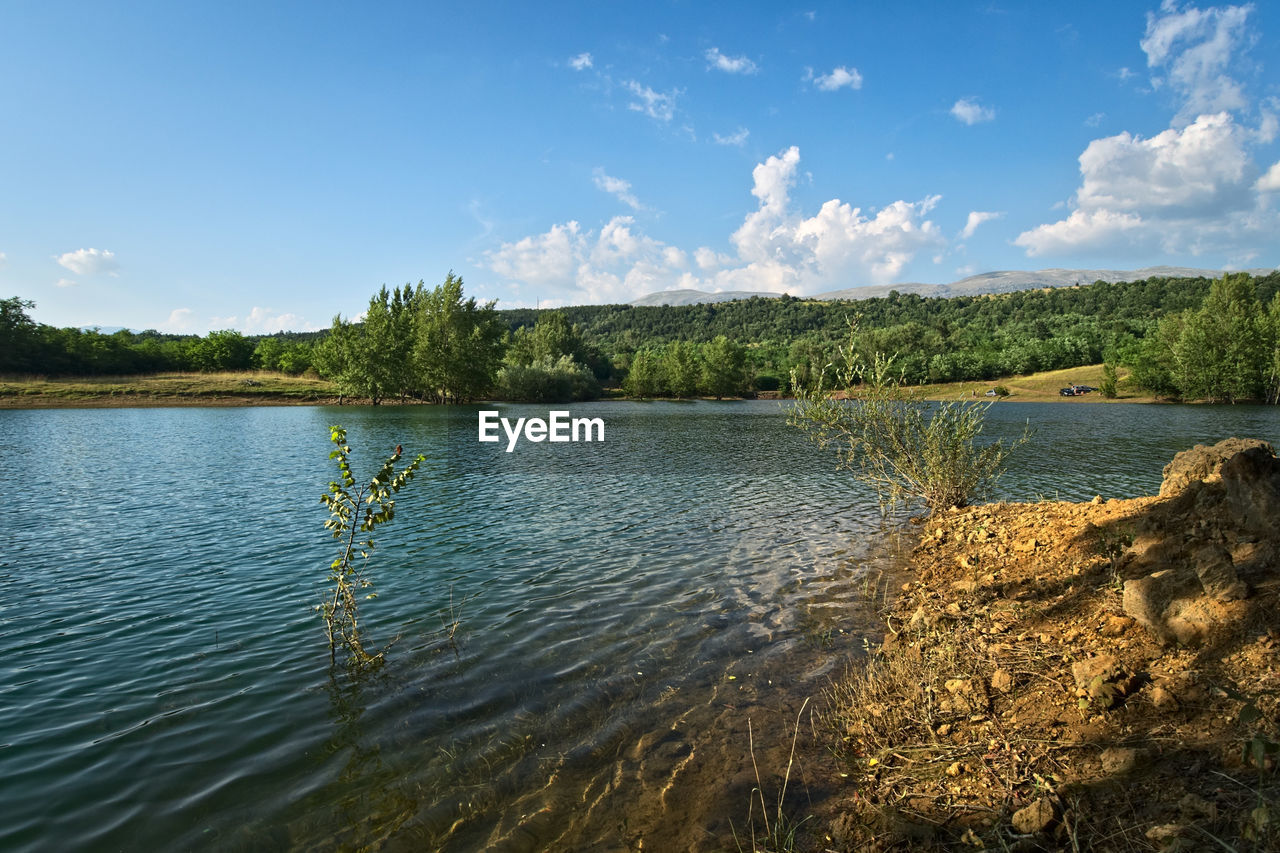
[1077,676]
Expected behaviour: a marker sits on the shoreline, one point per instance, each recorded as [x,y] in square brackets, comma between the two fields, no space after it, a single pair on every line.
[1015,702]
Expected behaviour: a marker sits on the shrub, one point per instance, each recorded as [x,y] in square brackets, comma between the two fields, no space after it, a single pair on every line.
[907,449]
[548,380]
[353,516]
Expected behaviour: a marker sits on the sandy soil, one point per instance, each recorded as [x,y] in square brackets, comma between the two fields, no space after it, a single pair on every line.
[1013,705]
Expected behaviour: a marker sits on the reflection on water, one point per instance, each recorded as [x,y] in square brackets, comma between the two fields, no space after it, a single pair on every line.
[626,608]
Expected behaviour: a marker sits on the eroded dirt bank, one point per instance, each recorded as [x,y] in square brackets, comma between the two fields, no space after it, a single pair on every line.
[1062,676]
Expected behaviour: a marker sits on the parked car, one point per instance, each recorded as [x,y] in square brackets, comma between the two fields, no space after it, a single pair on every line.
[1067,392]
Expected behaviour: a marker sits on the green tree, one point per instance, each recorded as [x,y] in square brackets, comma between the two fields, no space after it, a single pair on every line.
[1109,380]
[458,345]
[19,336]
[683,367]
[647,374]
[724,367]
[222,350]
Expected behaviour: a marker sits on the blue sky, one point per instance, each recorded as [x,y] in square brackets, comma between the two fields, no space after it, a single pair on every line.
[259,166]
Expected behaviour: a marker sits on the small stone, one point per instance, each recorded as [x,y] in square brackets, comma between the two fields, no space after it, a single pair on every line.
[1194,805]
[1163,699]
[964,586]
[957,685]
[954,769]
[1097,499]
[1165,831]
[1116,625]
[1001,681]
[1119,760]
[1034,818]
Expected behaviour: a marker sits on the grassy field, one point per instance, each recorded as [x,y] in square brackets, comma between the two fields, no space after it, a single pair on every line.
[1042,387]
[166,389]
[264,388]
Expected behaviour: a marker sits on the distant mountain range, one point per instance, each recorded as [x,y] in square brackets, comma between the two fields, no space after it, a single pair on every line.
[1004,281]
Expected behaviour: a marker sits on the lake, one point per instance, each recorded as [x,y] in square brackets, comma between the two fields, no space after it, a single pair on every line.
[624,610]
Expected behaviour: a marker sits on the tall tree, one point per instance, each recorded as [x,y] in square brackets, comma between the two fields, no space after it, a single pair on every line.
[458,344]
[18,336]
[724,368]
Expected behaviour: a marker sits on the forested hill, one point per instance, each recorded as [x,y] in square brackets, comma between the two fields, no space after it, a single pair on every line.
[1112,306]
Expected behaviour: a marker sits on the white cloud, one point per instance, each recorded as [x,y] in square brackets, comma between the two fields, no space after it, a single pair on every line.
[581,62]
[838,78]
[738,137]
[1193,188]
[1095,119]
[1179,190]
[90,261]
[969,111]
[776,248]
[657,105]
[1201,167]
[64,282]
[1193,49]
[1096,230]
[180,320]
[3,259]
[976,218]
[1268,183]
[730,64]
[543,259]
[616,187]
[261,321]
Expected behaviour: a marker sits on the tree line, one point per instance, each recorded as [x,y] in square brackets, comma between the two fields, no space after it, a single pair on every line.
[1181,337]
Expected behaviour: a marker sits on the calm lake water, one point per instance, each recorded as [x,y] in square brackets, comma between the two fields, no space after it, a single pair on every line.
[626,608]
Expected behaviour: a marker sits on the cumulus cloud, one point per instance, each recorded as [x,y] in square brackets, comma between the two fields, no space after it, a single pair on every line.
[1189,189]
[656,105]
[262,321]
[1268,183]
[64,282]
[180,320]
[838,78]
[1192,188]
[976,218]
[730,64]
[1190,50]
[90,261]
[616,187]
[738,137]
[776,248]
[969,111]
[581,62]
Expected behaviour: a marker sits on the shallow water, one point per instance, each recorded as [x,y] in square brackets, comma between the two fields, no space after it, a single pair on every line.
[625,607]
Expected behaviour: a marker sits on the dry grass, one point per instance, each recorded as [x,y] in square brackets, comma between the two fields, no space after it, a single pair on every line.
[164,388]
[1040,387]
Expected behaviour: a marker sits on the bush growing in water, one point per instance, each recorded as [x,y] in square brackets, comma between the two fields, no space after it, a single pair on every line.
[907,449]
[352,520]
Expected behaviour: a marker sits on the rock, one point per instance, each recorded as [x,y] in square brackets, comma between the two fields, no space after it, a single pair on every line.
[1163,699]
[1001,681]
[1217,573]
[1193,806]
[1097,499]
[1165,831]
[1116,625]
[1201,462]
[1034,818]
[964,586]
[1104,667]
[1099,681]
[1117,761]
